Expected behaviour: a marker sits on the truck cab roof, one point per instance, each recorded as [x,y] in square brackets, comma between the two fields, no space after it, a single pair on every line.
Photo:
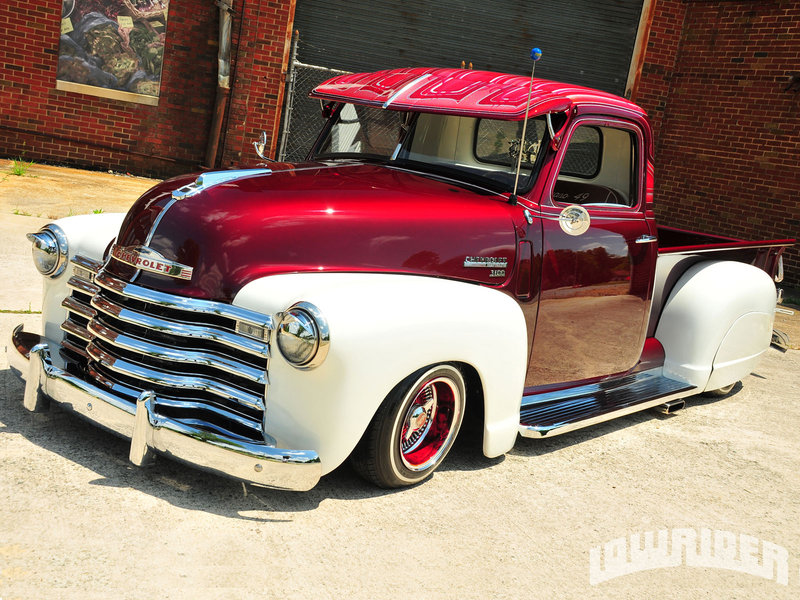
[465,92]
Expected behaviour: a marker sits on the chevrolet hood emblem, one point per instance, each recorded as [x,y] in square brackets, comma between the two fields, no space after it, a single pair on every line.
[147,259]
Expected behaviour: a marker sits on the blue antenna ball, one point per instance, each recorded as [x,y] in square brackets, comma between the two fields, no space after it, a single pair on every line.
[536,53]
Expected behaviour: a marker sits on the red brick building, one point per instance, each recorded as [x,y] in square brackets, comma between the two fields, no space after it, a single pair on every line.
[717,83]
[716,78]
[43,123]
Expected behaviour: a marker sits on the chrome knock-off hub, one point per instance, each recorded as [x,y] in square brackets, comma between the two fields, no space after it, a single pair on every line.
[419,419]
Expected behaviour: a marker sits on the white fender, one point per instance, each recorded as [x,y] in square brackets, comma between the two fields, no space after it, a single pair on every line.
[88,235]
[716,323]
[383,328]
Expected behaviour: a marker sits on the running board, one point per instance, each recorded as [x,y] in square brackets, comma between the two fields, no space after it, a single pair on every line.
[554,413]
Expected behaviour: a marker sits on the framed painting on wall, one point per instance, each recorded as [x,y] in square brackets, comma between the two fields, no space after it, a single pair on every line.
[113,48]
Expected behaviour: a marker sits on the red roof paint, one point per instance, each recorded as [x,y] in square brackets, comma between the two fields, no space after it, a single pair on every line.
[463,92]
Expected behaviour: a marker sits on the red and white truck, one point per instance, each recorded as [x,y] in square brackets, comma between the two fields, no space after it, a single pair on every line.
[425,263]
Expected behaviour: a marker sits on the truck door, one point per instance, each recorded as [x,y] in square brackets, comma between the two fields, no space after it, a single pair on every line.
[598,257]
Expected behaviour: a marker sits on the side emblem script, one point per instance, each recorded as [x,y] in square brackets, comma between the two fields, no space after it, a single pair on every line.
[489,262]
[496,264]
[147,259]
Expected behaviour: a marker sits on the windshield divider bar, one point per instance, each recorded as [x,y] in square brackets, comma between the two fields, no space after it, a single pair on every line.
[403,89]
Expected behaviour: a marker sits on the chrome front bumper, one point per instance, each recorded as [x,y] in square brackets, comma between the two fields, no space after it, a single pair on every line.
[261,464]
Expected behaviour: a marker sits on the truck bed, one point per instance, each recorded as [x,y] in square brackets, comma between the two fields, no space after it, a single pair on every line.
[763,253]
[679,249]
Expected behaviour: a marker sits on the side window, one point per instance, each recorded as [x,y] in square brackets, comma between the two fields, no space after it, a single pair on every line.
[599,168]
[583,154]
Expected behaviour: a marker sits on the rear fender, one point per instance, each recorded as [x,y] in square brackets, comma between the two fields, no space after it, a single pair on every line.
[716,323]
[383,328]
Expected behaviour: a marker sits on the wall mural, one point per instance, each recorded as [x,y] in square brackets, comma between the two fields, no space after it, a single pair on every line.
[113,48]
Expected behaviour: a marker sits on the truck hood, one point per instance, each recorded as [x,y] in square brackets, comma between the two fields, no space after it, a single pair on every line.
[350,217]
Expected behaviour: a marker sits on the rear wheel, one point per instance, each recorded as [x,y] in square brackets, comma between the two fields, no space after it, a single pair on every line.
[414,428]
[719,392]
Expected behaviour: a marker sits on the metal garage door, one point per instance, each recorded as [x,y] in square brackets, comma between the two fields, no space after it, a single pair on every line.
[587,42]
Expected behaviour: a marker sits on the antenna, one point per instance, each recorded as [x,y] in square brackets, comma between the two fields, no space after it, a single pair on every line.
[536,54]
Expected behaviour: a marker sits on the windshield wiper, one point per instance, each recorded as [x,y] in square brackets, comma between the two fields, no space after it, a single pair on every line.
[450,175]
[372,158]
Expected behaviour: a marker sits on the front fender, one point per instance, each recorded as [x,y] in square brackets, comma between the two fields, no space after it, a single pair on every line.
[382,328]
[88,235]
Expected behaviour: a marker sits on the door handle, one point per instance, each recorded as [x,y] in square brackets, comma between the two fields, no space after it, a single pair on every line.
[646,239]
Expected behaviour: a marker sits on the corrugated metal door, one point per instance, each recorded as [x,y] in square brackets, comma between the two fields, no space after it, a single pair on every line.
[588,42]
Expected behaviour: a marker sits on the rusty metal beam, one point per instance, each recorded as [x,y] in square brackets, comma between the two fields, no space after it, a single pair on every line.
[640,48]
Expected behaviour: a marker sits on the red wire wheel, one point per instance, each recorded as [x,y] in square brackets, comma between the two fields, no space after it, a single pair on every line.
[427,427]
[414,428]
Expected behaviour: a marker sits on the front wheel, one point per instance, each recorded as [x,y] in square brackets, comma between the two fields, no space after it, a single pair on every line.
[414,428]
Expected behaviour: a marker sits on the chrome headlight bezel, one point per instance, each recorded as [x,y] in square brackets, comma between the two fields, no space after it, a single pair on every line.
[50,250]
[303,336]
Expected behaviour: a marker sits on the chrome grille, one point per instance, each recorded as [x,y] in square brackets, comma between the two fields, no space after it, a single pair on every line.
[129,339]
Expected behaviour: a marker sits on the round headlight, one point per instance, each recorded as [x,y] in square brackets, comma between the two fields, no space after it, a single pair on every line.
[49,250]
[303,336]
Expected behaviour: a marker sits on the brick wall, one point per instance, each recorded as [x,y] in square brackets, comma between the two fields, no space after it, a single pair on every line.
[257,95]
[44,124]
[728,135]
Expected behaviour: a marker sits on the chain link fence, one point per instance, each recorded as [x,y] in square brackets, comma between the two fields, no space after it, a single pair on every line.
[302,116]
[302,121]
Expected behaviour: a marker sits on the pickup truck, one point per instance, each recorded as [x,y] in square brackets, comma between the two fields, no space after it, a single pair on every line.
[458,244]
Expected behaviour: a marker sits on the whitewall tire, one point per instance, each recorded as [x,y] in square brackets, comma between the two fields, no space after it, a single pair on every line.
[414,428]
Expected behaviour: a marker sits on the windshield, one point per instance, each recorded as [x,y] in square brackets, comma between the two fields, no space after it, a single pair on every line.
[478,151]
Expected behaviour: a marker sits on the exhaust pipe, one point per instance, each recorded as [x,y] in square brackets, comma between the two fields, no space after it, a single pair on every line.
[670,407]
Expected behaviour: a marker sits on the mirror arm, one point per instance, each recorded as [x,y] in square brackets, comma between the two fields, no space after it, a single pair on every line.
[260,145]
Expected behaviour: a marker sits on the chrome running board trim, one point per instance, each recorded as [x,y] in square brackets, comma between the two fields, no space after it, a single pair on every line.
[554,413]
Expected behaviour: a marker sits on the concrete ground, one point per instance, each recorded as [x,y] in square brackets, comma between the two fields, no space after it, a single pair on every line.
[78,521]
[54,192]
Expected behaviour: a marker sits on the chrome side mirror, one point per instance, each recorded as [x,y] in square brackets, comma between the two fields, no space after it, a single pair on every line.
[260,145]
[779,271]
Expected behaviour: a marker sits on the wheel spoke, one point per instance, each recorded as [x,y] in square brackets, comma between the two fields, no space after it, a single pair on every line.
[419,419]
[428,423]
